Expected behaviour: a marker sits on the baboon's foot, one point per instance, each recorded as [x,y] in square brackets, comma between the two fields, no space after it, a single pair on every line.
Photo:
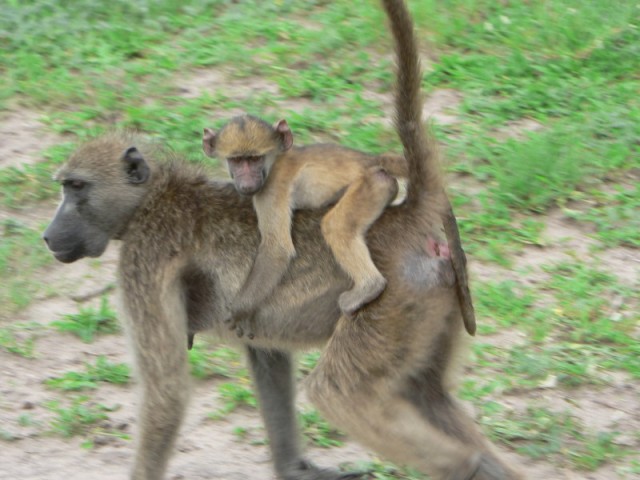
[490,468]
[190,338]
[468,470]
[362,293]
[383,184]
[308,471]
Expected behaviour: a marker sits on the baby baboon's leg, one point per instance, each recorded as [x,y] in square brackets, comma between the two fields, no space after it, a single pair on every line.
[273,376]
[157,337]
[344,227]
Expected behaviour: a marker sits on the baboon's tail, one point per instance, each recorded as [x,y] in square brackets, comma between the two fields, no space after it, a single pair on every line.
[425,181]
[425,189]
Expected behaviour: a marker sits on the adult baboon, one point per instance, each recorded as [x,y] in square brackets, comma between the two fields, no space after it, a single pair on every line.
[187,247]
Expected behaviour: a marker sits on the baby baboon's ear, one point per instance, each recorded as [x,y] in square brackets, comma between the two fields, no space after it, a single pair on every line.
[285,134]
[209,138]
[135,165]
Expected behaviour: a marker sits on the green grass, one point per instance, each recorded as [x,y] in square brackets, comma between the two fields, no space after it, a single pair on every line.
[89,322]
[613,215]
[101,371]
[13,340]
[233,395]
[22,254]
[222,362]
[543,434]
[77,416]
[319,431]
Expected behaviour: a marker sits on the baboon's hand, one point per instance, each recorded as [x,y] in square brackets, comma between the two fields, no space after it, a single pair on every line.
[241,321]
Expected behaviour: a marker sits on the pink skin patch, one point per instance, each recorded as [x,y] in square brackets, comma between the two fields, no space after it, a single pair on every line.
[435,249]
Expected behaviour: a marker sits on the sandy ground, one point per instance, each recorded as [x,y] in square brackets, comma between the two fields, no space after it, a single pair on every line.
[210,449]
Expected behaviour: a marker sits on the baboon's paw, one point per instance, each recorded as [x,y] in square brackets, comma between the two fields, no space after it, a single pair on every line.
[308,471]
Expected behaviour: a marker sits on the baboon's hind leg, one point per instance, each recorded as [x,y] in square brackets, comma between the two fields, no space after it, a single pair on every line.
[395,429]
[344,227]
[406,421]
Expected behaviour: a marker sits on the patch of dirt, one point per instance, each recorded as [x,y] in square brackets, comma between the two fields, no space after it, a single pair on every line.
[563,240]
[31,217]
[518,129]
[209,80]
[504,338]
[200,82]
[205,449]
[22,138]
[438,106]
[612,408]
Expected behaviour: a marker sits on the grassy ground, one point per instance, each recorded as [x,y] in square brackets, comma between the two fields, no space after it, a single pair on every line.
[540,129]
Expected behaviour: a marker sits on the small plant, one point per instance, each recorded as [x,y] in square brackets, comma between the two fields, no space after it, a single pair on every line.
[102,371]
[7,436]
[541,433]
[308,362]
[89,322]
[241,432]
[21,256]
[233,396]
[12,344]
[221,362]
[78,417]
[318,430]
[26,420]
[614,215]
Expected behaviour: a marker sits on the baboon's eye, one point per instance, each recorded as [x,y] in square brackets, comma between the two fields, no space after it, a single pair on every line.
[74,184]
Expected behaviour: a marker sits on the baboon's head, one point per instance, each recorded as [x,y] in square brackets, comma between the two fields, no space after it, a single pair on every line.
[250,146]
[103,184]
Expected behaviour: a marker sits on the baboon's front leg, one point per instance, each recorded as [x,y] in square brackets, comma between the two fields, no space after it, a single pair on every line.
[273,376]
[157,337]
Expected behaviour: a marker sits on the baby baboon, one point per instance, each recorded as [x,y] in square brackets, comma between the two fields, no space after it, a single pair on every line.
[282,179]
[187,246]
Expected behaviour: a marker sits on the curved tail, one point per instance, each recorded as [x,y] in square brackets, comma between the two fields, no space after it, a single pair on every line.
[425,180]
[425,189]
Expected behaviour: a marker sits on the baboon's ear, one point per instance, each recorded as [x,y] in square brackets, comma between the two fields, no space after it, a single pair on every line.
[209,142]
[135,165]
[285,133]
